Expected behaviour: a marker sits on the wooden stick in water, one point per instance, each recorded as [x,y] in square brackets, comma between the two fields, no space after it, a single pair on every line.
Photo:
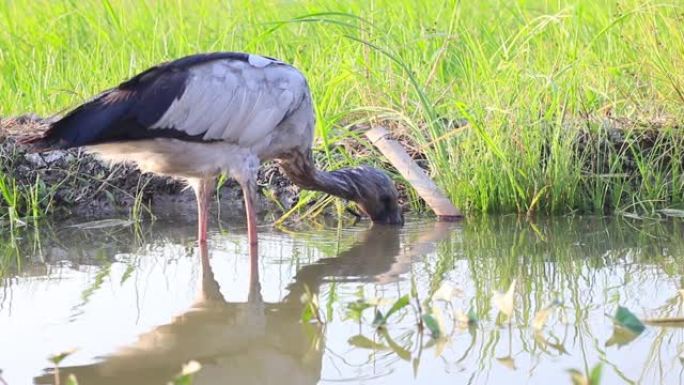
[426,188]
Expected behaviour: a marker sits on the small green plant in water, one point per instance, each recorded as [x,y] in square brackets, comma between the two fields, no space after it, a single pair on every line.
[381,320]
[627,327]
[56,360]
[312,310]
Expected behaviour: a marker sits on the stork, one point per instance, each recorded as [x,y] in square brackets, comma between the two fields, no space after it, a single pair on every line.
[217,113]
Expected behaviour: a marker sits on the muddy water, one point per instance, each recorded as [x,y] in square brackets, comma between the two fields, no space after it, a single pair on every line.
[138,303]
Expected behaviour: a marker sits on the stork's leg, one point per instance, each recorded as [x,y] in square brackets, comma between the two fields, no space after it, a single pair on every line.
[203,188]
[250,197]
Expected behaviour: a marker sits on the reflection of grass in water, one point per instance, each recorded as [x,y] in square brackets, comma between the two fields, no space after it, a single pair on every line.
[105,265]
[552,257]
[9,258]
[557,259]
[25,246]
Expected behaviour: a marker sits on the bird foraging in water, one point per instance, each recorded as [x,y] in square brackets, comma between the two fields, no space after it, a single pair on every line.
[219,113]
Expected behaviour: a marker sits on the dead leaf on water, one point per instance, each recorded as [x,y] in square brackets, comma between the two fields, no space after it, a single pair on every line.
[186,374]
[627,327]
[103,224]
[461,318]
[363,342]
[440,345]
[191,367]
[446,293]
[546,343]
[579,378]
[542,316]
[621,336]
[507,361]
[375,301]
[437,313]
[465,320]
[504,301]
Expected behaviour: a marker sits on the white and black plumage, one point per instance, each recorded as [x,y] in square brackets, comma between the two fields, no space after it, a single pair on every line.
[208,114]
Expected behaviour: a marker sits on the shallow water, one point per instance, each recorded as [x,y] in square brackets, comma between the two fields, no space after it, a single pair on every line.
[138,303]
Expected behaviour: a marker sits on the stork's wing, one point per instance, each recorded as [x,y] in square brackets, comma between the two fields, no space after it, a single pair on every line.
[222,96]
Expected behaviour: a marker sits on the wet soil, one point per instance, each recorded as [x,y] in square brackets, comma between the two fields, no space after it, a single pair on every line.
[80,184]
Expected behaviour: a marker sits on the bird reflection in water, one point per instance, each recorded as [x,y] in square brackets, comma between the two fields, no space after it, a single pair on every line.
[254,342]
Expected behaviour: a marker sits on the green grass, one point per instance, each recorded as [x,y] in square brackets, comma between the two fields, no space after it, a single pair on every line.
[528,76]
[21,201]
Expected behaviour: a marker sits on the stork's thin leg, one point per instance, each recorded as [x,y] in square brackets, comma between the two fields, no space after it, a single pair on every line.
[203,189]
[251,217]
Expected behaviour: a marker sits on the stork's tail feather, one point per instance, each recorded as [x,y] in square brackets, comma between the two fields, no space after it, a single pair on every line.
[80,126]
[44,141]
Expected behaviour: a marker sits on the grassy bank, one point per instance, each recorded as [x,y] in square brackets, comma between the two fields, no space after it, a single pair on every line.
[570,105]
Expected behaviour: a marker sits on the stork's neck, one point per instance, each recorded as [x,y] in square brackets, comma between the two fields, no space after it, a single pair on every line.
[300,168]
[371,189]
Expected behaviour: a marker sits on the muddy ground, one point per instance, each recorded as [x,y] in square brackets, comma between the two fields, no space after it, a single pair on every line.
[82,185]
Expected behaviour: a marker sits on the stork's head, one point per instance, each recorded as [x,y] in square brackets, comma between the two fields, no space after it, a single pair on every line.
[376,195]
[371,189]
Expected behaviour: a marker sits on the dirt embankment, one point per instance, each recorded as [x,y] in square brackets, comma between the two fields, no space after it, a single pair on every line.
[80,184]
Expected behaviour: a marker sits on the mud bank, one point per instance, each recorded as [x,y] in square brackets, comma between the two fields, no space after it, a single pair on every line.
[77,183]
[614,154]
